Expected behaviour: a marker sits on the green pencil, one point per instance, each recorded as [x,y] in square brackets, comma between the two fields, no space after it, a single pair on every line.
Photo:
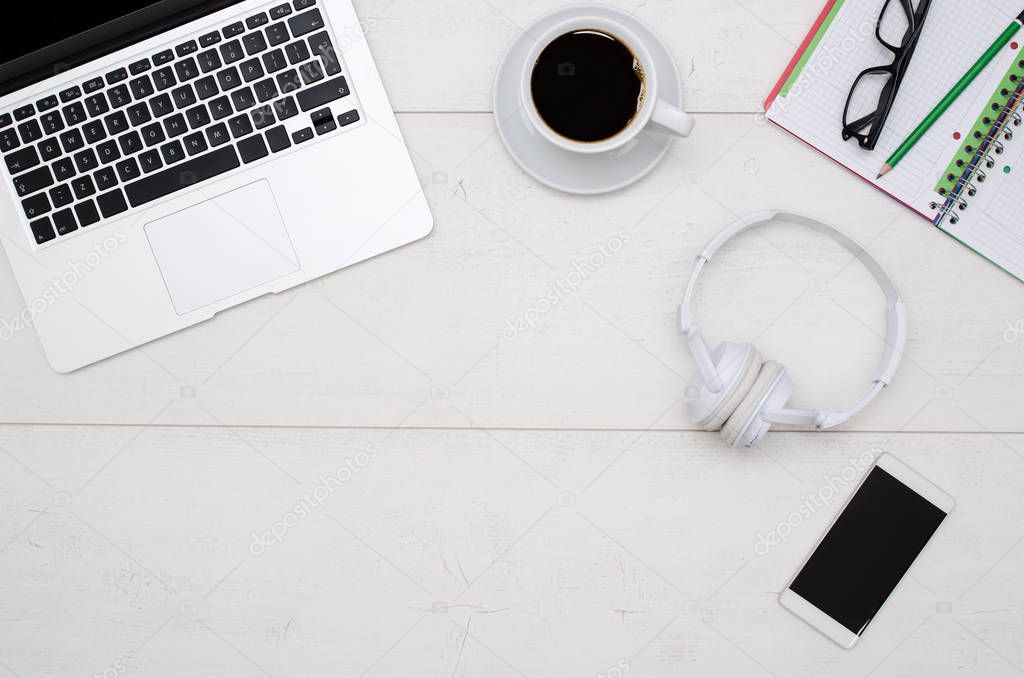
[953,95]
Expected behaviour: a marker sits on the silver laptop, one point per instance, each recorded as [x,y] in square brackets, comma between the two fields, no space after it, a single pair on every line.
[164,160]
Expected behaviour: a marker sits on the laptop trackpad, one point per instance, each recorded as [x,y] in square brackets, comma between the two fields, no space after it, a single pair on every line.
[222,247]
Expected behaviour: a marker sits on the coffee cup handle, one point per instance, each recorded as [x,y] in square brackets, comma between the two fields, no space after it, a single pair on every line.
[670,119]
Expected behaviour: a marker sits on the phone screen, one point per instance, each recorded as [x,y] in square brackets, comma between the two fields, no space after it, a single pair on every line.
[868,550]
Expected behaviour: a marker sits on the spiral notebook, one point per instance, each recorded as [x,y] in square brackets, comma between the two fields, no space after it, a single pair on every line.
[967,175]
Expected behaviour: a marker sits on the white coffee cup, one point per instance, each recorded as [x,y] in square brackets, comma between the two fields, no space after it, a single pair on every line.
[653,113]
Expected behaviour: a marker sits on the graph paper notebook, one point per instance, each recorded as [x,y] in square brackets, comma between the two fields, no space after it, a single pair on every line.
[967,175]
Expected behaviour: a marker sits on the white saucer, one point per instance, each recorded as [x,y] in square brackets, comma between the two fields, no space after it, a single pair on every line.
[562,169]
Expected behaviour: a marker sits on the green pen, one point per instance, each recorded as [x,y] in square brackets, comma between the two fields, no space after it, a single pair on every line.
[953,95]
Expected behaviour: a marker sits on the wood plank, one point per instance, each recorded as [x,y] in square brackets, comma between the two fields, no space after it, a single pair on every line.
[417,335]
[563,552]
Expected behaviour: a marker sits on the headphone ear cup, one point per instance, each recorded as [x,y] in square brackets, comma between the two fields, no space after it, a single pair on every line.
[751,405]
[737,392]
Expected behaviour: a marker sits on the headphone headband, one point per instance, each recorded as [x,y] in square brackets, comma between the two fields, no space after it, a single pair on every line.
[896,316]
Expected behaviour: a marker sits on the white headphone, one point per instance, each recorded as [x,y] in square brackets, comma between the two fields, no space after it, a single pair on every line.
[739,392]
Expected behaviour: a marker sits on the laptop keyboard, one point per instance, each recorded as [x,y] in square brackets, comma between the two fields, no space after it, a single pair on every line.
[174,119]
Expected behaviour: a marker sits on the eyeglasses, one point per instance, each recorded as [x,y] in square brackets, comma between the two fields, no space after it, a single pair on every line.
[874,91]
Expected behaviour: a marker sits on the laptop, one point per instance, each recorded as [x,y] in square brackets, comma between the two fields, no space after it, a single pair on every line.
[165,160]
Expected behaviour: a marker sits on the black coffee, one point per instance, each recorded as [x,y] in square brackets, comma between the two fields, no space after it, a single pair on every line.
[587,86]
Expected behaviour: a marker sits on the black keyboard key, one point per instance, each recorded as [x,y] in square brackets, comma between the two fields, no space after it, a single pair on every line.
[111,204]
[138,114]
[161,105]
[206,88]
[240,126]
[61,195]
[30,131]
[140,66]
[63,169]
[175,126]
[232,52]
[325,125]
[303,135]
[195,143]
[117,123]
[94,132]
[325,92]
[128,169]
[275,61]
[254,43]
[83,187]
[9,140]
[86,160]
[252,149]
[52,122]
[265,90]
[119,96]
[19,161]
[36,206]
[150,161]
[93,85]
[26,111]
[234,29]
[286,108]
[257,20]
[218,135]
[303,4]
[33,181]
[72,141]
[46,103]
[289,81]
[49,149]
[280,11]
[153,134]
[114,77]
[277,34]
[307,22]
[161,58]
[243,99]
[183,97]
[42,230]
[172,152]
[163,78]
[220,108]
[297,52]
[87,213]
[311,73]
[186,48]
[142,87]
[278,139]
[209,61]
[229,79]
[322,46]
[105,179]
[187,69]
[131,143]
[5,120]
[70,94]
[64,221]
[346,119]
[197,117]
[75,113]
[200,168]
[96,104]
[263,117]
[108,152]
[251,70]
[209,39]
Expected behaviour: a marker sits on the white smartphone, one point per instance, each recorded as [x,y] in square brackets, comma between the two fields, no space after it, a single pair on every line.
[867,551]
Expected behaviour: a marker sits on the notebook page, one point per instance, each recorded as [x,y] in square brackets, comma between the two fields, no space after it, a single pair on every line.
[954,35]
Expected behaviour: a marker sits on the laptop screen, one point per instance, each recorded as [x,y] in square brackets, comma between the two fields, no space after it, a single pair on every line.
[81,31]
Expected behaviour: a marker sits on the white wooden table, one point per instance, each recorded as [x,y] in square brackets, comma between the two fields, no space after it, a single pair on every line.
[482,504]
